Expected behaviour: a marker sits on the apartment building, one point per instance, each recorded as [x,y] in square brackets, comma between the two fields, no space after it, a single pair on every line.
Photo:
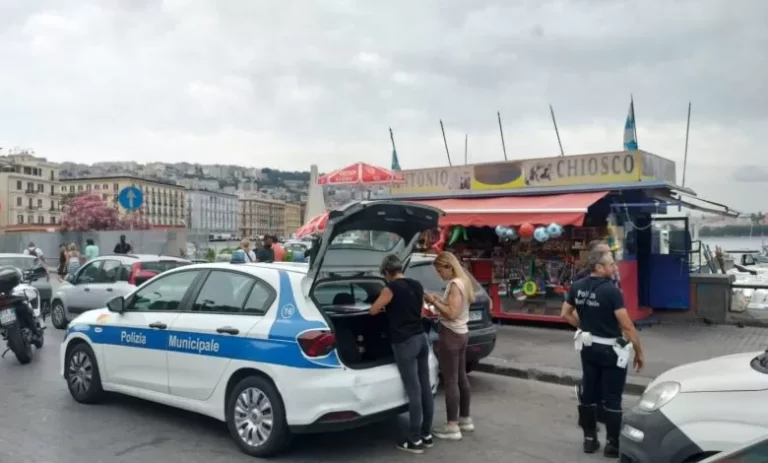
[293,218]
[211,213]
[29,191]
[164,203]
[259,216]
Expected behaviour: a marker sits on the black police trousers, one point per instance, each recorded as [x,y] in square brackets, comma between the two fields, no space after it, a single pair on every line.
[602,379]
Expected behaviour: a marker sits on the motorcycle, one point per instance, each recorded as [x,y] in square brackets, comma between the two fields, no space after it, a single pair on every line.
[19,307]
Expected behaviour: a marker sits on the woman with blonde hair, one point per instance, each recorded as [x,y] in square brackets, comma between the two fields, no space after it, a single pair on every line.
[453,310]
[245,245]
[73,259]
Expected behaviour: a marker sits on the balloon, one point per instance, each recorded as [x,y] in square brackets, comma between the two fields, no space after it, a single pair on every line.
[540,234]
[457,233]
[526,230]
[500,231]
[554,230]
[510,233]
[439,245]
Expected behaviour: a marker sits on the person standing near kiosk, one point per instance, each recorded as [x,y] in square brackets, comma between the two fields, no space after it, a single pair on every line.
[605,337]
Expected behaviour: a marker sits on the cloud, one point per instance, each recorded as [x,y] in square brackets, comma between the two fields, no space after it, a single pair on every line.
[750,174]
[286,84]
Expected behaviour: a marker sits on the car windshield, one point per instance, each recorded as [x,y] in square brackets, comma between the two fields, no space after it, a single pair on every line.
[22,263]
[429,278]
[366,239]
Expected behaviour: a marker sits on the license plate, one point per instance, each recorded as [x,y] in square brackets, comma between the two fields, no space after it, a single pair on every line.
[475,316]
[7,316]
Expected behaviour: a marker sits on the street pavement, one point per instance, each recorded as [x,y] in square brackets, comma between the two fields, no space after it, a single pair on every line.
[517,421]
[547,353]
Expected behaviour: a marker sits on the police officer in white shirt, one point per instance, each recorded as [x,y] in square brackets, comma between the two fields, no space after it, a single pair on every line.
[605,337]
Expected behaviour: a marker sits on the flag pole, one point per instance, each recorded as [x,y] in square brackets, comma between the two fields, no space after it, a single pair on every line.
[466,143]
[557,132]
[447,153]
[501,131]
[687,131]
[392,139]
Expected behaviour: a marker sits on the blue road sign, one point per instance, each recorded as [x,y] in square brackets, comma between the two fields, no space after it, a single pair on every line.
[130,198]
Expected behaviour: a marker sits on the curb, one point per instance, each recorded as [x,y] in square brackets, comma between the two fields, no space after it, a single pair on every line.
[568,377]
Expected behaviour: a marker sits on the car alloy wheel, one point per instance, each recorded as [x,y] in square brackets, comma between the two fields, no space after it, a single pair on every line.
[58,317]
[253,417]
[80,373]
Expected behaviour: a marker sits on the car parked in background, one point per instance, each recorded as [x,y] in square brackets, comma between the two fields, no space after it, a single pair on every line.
[26,262]
[104,278]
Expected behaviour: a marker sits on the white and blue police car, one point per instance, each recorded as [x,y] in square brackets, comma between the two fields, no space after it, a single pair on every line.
[270,349]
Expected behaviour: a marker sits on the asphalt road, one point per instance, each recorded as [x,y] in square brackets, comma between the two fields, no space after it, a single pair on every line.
[517,421]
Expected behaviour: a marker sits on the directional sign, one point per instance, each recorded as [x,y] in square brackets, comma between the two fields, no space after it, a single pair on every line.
[130,198]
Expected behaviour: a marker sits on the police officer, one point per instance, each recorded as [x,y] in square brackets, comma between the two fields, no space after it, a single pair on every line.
[605,337]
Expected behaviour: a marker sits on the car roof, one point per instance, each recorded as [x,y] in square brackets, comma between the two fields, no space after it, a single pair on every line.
[248,267]
[13,254]
[142,257]
[422,258]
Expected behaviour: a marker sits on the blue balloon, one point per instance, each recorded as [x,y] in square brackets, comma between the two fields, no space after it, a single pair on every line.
[499,230]
[554,230]
[511,233]
[540,234]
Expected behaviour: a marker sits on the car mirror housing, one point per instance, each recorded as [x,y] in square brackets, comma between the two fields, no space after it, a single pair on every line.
[116,305]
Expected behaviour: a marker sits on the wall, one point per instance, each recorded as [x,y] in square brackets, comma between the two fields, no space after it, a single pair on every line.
[168,242]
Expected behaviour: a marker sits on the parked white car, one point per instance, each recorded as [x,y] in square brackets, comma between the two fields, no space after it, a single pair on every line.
[250,345]
[697,410]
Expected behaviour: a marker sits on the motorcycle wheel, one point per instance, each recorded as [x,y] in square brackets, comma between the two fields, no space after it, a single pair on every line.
[45,309]
[19,345]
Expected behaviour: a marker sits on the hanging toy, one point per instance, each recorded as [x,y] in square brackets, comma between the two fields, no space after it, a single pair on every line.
[439,245]
[554,230]
[519,294]
[457,233]
[500,230]
[510,233]
[540,234]
[526,230]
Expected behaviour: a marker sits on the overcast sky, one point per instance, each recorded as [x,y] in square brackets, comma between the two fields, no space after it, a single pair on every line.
[287,83]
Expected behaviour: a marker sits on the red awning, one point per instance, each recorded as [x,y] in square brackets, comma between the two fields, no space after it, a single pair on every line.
[563,209]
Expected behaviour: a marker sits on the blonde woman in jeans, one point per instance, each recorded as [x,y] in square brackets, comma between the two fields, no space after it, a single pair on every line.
[453,310]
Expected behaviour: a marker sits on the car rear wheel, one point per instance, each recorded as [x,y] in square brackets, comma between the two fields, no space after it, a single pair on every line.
[58,315]
[256,418]
[82,374]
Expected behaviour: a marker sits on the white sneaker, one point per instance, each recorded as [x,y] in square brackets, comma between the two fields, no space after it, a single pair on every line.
[466,424]
[448,432]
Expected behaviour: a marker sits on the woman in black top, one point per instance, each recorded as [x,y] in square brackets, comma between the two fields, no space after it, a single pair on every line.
[401,301]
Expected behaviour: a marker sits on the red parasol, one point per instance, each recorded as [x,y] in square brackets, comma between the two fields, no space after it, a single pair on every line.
[315,225]
[361,174]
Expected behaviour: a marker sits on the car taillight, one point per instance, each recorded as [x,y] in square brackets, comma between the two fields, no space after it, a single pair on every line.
[135,269]
[317,343]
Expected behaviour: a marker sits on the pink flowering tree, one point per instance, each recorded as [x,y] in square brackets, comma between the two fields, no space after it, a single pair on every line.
[89,212]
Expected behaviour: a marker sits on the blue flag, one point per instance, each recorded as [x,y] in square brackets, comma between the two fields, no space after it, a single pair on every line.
[630,134]
[395,161]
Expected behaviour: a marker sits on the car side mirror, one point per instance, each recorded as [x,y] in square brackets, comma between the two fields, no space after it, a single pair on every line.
[116,305]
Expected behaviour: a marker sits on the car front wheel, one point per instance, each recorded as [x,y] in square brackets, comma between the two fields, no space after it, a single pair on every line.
[256,418]
[82,374]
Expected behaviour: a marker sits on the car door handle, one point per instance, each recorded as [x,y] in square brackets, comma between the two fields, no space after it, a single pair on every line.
[158,325]
[227,330]
[86,289]
[109,290]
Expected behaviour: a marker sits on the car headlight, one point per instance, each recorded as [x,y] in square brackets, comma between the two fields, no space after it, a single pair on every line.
[658,396]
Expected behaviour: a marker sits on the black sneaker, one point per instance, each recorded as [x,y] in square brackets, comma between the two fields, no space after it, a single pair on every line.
[411,447]
[427,441]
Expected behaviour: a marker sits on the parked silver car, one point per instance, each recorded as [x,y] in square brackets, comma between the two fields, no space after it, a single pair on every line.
[26,262]
[104,278]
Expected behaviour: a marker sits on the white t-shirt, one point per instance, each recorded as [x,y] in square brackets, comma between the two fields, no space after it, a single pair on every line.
[459,325]
[38,251]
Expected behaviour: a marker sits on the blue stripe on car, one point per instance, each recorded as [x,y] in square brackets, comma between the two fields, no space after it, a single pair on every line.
[281,347]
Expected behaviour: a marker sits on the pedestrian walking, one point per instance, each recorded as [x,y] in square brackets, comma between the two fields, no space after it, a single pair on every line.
[605,337]
[62,270]
[453,334]
[33,250]
[278,249]
[73,259]
[245,246]
[123,247]
[91,250]
[401,301]
[266,253]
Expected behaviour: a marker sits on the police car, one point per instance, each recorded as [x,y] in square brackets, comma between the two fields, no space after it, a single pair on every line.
[250,345]
[698,410]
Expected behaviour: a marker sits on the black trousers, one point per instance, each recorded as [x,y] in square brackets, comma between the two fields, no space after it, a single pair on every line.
[602,382]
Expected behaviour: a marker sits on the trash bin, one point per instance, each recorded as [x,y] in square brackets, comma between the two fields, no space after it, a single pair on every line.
[712,296]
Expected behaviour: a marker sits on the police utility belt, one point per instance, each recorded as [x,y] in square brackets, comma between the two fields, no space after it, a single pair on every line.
[622,348]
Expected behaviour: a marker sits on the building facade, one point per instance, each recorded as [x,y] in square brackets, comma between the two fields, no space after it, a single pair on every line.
[29,191]
[293,219]
[212,213]
[164,203]
[259,216]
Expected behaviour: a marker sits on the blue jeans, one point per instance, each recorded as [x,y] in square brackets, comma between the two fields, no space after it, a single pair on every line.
[412,357]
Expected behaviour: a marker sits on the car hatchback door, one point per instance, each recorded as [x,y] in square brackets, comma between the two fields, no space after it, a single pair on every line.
[203,341]
[80,296]
[138,337]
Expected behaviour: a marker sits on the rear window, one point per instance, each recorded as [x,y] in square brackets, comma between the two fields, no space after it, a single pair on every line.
[21,263]
[431,281]
[366,239]
[161,266]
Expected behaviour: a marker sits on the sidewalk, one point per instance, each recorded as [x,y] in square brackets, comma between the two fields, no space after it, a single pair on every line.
[546,354]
